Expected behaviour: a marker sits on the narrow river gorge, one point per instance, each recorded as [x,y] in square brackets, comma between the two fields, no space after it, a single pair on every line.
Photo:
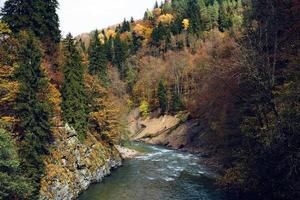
[158,174]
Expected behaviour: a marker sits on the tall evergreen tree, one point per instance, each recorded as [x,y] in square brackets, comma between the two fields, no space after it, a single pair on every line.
[162,97]
[125,26]
[193,14]
[176,101]
[97,58]
[32,110]
[38,16]
[73,89]
[156,5]
[13,184]
[109,49]
[120,51]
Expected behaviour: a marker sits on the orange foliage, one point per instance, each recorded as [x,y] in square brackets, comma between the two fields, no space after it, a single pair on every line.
[157,12]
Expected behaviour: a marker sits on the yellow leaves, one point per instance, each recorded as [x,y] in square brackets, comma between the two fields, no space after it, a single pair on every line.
[101,38]
[4,29]
[139,29]
[166,19]
[142,30]
[110,33]
[54,98]
[8,88]
[144,108]
[185,24]
[9,119]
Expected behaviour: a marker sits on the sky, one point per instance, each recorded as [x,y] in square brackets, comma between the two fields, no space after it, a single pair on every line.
[81,16]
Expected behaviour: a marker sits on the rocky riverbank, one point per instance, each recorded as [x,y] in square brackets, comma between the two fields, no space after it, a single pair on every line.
[176,132]
[73,166]
[127,153]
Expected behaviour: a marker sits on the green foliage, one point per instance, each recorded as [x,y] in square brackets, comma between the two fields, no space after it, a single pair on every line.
[4,28]
[73,90]
[97,58]
[125,26]
[120,55]
[13,184]
[161,37]
[162,96]
[38,16]
[32,110]
[176,101]
[193,14]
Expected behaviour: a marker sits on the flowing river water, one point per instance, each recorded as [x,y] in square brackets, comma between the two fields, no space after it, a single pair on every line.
[159,174]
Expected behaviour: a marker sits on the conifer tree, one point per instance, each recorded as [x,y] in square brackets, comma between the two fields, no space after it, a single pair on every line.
[193,14]
[225,20]
[73,89]
[109,49]
[13,184]
[156,5]
[32,110]
[120,55]
[125,26]
[176,101]
[162,97]
[38,16]
[97,58]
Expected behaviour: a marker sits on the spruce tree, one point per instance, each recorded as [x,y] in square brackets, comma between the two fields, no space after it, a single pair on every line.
[125,26]
[176,101]
[193,13]
[97,58]
[120,55]
[32,111]
[109,49]
[73,89]
[13,184]
[162,97]
[38,16]
[156,5]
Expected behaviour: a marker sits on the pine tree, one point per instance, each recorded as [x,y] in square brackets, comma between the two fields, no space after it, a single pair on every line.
[120,55]
[38,16]
[73,89]
[32,111]
[97,58]
[176,101]
[156,5]
[13,185]
[225,21]
[162,97]
[125,26]
[214,14]
[193,14]
[137,42]
[109,49]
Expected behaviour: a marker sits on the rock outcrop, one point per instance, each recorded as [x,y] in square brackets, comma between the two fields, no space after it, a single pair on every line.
[74,165]
[165,130]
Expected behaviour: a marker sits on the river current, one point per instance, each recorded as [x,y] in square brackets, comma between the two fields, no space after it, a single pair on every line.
[159,174]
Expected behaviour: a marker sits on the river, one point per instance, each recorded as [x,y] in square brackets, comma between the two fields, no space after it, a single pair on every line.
[159,174]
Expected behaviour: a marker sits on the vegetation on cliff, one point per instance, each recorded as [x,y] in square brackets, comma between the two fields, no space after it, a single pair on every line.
[231,64]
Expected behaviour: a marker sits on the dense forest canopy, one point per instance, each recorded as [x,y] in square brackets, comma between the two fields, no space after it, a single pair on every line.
[233,65]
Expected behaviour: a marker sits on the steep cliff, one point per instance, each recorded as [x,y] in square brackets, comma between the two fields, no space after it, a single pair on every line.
[73,165]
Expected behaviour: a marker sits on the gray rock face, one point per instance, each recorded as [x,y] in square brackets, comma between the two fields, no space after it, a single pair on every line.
[73,165]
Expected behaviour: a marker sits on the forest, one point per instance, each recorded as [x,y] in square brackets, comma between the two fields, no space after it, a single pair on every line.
[231,65]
